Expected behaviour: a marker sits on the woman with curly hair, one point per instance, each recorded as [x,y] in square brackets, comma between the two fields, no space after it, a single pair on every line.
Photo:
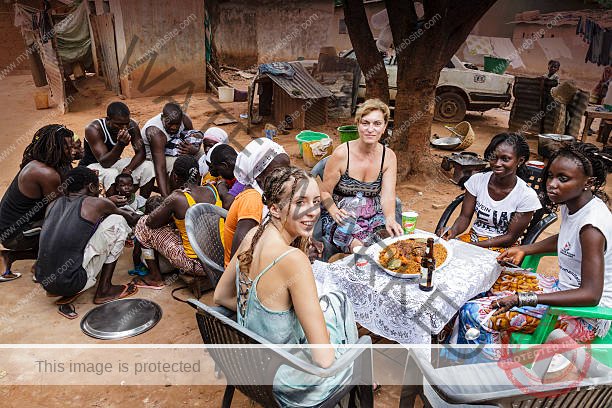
[574,180]
[269,282]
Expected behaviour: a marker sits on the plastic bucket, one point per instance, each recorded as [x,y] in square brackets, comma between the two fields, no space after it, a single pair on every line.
[308,136]
[311,158]
[226,94]
[348,132]
[41,99]
[495,65]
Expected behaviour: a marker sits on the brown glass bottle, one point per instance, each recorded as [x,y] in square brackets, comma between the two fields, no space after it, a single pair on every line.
[428,265]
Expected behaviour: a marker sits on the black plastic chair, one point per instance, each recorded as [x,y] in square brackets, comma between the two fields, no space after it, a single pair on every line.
[542,218]
[202,225]
[252,370]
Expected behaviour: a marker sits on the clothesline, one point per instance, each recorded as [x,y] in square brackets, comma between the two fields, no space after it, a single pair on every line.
[599,40]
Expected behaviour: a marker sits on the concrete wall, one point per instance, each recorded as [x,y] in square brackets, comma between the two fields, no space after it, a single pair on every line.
[586,74]
[493,23]
[12,44]
[342,41]
[175,33]
[247,33]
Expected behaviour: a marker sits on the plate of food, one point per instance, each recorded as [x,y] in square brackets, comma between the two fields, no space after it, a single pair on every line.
[401,256]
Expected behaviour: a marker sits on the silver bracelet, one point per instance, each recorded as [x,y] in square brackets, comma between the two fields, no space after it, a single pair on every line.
[527,299]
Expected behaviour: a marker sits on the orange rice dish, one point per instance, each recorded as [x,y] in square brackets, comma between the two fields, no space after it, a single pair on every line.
[405,256]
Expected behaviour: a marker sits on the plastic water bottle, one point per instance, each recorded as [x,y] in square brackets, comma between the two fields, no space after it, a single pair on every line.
[344,233]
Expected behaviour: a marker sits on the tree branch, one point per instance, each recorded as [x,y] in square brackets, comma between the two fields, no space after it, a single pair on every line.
[369,59]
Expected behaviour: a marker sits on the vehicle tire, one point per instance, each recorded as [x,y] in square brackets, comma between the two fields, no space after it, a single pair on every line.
[450,107]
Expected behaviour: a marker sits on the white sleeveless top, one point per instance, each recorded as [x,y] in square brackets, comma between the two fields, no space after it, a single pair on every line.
[156,121]
[594,213]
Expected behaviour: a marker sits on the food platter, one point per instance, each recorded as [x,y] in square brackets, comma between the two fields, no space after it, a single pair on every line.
[375,250]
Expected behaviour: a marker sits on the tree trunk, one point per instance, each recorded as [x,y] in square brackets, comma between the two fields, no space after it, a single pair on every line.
[369,59]
[423,48]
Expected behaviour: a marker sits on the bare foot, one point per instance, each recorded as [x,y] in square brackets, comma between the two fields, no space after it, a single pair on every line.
[114,292]
[3,262]
[148,283]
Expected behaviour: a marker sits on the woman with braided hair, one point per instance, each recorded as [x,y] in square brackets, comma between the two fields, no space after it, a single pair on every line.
[503,203]
[154,231]
[37,183]
[269,282]
[573,180]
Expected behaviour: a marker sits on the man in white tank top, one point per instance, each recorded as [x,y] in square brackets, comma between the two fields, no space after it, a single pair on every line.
[163,142]
[105,140]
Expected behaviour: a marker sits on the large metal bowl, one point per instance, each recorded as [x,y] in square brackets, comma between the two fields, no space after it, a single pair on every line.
[548,143]
[121,318]
[446,143]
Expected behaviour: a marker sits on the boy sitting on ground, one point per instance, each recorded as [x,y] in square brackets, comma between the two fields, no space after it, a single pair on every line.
[124,185]
[140,268]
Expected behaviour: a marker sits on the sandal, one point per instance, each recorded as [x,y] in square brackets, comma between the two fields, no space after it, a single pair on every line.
[139,282]
[128,290]
[68,311]
[8,276]
[139,270]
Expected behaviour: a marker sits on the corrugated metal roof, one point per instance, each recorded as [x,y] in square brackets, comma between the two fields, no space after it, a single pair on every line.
[302,85]
[601,17]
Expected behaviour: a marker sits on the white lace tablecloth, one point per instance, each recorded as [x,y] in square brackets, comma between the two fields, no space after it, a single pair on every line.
[396,308]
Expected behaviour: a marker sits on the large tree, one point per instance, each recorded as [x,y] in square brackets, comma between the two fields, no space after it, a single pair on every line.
[370,60]
[425,36]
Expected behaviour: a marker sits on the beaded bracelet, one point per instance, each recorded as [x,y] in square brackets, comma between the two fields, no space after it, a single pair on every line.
[527,299]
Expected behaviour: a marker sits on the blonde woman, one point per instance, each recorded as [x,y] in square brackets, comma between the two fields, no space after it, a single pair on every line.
[361,171]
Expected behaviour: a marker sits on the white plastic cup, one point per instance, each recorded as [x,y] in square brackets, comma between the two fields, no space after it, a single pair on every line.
[409,221]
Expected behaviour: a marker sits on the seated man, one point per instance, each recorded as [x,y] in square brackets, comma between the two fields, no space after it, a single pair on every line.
[167,136]
[258,159]
[82,237]
[37,183]
[221,160]
[105,140]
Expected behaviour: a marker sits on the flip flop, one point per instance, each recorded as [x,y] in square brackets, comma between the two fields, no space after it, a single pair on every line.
[8,276]
[67,310]
[128,290]
[139,270]
[64,300]
[141,283]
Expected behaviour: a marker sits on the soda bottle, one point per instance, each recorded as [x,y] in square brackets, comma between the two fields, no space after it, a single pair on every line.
[428,265]
[344,233]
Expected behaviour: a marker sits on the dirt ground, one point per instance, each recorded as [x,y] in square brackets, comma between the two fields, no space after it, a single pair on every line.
[29,317]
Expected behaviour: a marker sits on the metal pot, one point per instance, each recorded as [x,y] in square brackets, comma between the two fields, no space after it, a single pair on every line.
[548,143]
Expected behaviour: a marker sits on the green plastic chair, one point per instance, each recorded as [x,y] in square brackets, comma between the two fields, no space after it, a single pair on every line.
[549,320]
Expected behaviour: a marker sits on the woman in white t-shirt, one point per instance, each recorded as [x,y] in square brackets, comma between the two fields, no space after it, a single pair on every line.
[502,202]
[574,179]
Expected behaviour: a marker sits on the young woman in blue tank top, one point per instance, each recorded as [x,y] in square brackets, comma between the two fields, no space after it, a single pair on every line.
[269,282]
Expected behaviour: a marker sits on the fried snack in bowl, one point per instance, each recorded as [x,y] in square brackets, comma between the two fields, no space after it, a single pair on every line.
[516,282]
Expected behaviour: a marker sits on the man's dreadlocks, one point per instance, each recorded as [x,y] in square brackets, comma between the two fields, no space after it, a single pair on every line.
[48,146]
